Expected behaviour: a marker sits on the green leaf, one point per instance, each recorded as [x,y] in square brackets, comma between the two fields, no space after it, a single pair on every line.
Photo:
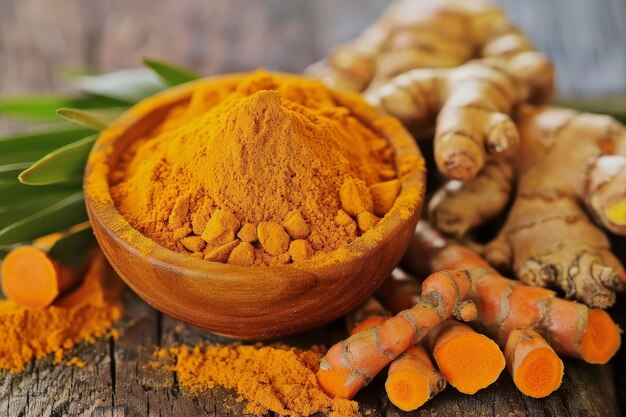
[94,119]
[15,193]
[11,171]
[59,216]
[44,107]
[171,74]
[20,201]
[65,164]
[130,85]
[71,249]
[32,145]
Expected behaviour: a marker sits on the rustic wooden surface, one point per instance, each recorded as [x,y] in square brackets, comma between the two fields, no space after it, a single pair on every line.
[41,40]
[119,382]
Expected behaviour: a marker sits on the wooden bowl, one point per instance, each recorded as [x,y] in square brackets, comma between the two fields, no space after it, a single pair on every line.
[248,302]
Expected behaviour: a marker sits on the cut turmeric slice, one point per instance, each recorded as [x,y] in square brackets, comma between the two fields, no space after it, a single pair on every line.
[32,279]
[601,338]
[352,363]
[469,360]
[412,379]
[536,369]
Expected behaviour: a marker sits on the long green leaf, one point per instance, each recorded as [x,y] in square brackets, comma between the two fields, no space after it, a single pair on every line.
[32,145]
[94,119]
[44,107]
[11,171]
[71,249]
[18,212]
[60,216]
[171,74]
[63,165]
[14,193]
[20,201]
[130,85]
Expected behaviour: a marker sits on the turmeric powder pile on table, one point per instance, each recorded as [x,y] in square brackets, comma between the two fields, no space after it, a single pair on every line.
[81,316]
[271,378]
[268,170]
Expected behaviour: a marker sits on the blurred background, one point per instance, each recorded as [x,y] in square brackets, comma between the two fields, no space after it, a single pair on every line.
[43,41]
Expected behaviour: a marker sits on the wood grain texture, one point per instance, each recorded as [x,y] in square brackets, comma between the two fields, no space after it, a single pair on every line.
[38,39]
[118,381]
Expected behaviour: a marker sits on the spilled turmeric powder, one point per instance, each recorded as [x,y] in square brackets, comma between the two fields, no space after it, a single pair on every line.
[82,316]
[268,170]
[270,378]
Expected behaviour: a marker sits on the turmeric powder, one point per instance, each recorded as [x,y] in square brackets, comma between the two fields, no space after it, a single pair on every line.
[83,315]
[271,378]
[263,171]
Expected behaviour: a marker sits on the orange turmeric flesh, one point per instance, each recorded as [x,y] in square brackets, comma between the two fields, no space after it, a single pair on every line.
[413,379]
[407,390]
[469,360]
[601,338]
[540,374]
[534,366]
[32,279]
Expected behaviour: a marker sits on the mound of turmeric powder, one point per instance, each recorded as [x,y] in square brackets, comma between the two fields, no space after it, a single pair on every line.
[81,316]
[270,378]
[269,170]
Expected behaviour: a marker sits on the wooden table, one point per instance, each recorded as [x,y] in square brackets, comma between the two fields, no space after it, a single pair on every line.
[118,382]
[586,38]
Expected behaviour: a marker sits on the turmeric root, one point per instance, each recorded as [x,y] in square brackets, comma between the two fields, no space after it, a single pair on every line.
[37,274]
[420,34]
[399,292]
[469,361]
[33,279]
[536,369]
[369,314]
[504,305]
[471,104]
[414,63]
[566,160]
[412,379]
[458,207]
[352,363]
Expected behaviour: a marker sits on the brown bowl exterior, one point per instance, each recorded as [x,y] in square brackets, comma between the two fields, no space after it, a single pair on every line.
[247,302]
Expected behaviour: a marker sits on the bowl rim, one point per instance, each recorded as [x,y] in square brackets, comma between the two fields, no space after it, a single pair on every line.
[408,158]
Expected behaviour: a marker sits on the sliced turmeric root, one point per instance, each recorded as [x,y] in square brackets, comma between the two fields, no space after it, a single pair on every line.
[601,338]
[412,379]
[32,279]
[536,369]
[352,363]
[572,328]
[470,361]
